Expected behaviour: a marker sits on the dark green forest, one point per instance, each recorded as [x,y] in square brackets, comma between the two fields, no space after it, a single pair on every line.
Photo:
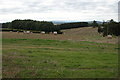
[107,28]
[41,25]
[73,25]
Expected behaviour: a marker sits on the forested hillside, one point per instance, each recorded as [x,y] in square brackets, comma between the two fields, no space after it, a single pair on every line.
[41,25]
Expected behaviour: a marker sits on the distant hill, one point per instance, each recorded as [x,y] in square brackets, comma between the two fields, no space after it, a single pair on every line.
[99,22]
[62,22]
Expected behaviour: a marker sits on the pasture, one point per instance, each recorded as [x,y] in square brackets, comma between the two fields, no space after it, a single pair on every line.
[77,34]
[59,56]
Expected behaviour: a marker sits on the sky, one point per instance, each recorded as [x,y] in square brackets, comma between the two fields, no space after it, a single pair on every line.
[60,10]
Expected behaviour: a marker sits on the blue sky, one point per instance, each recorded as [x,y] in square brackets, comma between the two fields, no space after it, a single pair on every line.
[70,10]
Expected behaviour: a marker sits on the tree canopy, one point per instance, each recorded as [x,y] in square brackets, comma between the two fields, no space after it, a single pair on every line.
[41,25]
[110,28]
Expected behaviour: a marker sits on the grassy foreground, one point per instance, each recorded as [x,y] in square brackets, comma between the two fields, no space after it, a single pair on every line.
[37,58]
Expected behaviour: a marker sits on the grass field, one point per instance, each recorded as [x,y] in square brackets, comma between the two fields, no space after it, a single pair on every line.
[77,34]
[33,56]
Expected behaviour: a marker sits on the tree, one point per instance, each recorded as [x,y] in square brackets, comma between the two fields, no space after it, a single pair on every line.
[101,27]
[111,28]
[6,25]
[94,24]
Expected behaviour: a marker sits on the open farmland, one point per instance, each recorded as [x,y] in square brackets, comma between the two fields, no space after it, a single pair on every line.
[75,54]
[78,34]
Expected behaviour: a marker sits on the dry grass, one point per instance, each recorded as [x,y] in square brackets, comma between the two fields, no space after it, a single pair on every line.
[78,34]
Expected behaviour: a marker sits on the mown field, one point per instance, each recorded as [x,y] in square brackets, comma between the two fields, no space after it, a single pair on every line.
[77,34]
[35,56]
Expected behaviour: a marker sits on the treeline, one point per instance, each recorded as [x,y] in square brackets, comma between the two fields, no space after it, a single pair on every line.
[73,25]
[31,25]
[107,28]
[110,28]
[41,25]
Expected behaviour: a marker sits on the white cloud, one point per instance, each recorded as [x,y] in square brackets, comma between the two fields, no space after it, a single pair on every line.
[58,9]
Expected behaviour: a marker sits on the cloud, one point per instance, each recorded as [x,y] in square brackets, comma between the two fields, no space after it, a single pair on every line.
[60,9]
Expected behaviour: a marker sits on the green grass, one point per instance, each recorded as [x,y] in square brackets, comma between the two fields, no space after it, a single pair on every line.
[37,58]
